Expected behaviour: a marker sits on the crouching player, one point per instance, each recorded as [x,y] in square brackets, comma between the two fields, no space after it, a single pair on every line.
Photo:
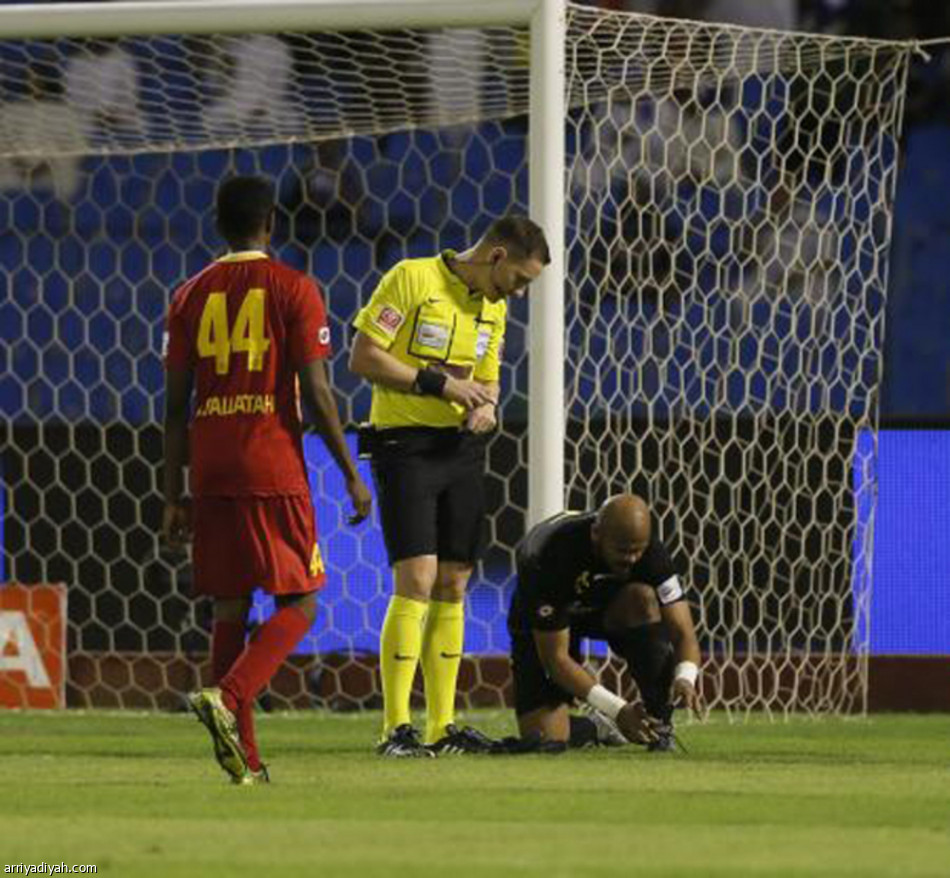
[600,575]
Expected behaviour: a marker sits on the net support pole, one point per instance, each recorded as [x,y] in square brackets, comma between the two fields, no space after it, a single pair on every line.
[546,182]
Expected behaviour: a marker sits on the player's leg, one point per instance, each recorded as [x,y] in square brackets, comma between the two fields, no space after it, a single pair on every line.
[269,647]
[285,559]
[265,652]
[228,632]
[273,543]
[229,628]
[219,573]
[407,508]
[546,723]
[636,633]
[541,706]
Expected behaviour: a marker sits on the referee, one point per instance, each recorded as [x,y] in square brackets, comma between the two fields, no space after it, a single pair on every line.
[430,342]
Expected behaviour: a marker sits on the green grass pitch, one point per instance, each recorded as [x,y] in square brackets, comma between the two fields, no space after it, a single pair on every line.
[138,794]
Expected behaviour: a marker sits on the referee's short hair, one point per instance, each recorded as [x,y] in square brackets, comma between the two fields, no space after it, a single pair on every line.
[242,207]
[520,236]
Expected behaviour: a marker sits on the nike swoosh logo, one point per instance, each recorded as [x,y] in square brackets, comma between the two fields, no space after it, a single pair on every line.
[450,655]
[404,658]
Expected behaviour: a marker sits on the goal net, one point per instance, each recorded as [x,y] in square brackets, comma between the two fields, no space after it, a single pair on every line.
[728,213]
[731,195]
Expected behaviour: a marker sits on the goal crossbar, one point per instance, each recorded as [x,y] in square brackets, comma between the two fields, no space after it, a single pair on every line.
[42,21]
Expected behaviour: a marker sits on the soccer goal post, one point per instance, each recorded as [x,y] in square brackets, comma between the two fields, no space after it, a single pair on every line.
[709,332]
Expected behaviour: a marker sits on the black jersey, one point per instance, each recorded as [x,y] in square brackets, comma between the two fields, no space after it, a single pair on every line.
[560,577]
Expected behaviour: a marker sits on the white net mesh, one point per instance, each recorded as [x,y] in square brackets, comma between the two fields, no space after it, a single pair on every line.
[244,91]
[729,199]
[107,199]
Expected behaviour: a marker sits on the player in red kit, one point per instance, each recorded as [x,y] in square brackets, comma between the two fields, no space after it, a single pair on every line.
[242,335]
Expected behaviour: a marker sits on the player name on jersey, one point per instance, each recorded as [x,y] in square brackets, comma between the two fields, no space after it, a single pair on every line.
[238,404]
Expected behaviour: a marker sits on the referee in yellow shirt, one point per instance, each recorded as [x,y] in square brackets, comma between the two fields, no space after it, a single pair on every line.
[430,341]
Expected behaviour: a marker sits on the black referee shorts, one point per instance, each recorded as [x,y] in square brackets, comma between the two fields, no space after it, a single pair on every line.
[430,485]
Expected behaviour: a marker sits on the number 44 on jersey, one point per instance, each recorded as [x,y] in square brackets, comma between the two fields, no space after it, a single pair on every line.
[216,339]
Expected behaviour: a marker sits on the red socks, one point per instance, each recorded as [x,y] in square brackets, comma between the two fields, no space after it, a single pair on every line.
[245,724]
[264,654]
[227,643]
[242,672]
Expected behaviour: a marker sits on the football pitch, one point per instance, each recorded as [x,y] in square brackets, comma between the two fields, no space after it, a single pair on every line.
[138,794]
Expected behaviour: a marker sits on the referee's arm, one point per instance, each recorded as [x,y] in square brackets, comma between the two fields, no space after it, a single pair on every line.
[484,419]
[370,361]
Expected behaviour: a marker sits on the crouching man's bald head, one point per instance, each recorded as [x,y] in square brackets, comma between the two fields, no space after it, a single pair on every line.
[621,532]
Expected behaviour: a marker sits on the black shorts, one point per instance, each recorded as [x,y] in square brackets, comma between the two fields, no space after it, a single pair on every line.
[430,485]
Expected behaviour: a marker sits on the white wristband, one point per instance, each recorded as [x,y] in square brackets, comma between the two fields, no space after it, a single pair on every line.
[605,701]
[687,671]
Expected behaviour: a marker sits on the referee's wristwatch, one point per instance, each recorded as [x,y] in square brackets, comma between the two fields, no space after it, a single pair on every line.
[429,382]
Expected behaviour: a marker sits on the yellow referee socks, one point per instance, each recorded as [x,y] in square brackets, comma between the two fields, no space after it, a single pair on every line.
[399,647]
[442,640]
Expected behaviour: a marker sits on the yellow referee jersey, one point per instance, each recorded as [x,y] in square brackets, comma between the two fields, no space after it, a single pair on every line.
[425,316]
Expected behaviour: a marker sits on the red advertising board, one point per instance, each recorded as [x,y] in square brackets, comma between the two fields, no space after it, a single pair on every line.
[32,646]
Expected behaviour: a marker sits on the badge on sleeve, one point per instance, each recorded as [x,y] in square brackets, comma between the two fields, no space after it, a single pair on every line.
[389,319]
[323,336]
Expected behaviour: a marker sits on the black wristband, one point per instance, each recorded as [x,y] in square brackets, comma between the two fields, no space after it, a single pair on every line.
[428,382]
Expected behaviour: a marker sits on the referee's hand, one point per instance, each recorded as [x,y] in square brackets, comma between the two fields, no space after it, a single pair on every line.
[468,394]
[482,419]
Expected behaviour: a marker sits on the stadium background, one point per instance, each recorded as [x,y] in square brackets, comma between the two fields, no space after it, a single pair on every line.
[85,287]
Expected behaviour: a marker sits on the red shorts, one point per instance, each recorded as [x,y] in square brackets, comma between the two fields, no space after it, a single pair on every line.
[243,543]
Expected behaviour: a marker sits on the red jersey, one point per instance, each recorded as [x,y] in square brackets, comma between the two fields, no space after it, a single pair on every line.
[244,326]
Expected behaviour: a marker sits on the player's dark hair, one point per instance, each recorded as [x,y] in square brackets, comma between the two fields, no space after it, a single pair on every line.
[243,205]
[521,237]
